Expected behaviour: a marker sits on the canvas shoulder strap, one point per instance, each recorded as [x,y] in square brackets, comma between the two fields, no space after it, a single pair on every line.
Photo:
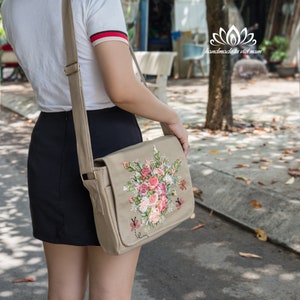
[72,70]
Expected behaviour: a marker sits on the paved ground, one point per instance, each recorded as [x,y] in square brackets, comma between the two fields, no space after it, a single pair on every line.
[231,170]
[260,161]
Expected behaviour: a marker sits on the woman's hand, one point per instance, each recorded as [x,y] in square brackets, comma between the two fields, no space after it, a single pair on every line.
[180,132]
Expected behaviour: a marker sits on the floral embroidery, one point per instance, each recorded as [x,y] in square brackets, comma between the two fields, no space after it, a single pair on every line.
[153,189]
[183,185]
[179,202]
[134,224]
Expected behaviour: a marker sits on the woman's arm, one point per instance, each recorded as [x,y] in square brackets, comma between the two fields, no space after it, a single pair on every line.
[128,93]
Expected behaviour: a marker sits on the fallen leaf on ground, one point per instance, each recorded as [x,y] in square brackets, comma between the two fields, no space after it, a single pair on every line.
[245,131]
[256,204]
[261,183]
[220,158]
[265,160]
[263,167]
[249,255]
[197,193]
[214,151]
[261,235]
[291,180]
[260,130]
[282,158]
[198,226]
[193,130]
[229,152]
[247,180]
[25,279]
[256,161]
[289,151]
[241,147]
[242,166]
[294,173]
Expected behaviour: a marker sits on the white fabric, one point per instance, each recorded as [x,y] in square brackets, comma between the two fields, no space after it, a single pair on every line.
[34,29]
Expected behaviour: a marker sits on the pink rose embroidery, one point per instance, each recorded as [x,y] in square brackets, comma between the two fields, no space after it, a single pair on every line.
[143,206]
[162,205]
[143,189]
[162,190]
[153,182]
[145,172]
[153,199]
[154,216]
[154,187]
[158,171]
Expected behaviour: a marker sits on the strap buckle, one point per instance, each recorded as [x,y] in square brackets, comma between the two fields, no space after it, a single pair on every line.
[71,68]
[89,176]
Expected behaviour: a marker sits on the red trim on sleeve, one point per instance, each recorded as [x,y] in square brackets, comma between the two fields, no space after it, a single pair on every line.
[106,34]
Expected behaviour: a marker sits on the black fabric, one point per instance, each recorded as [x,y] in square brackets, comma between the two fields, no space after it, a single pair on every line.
[60,206]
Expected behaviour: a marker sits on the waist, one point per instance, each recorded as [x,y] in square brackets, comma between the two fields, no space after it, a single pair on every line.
[69,113]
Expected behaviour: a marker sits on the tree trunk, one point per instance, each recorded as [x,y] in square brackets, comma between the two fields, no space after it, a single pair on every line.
[219,110]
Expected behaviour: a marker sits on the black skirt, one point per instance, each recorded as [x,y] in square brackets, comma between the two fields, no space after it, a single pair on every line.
[60,206]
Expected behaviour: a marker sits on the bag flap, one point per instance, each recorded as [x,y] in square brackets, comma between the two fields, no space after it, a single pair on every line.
[152,187]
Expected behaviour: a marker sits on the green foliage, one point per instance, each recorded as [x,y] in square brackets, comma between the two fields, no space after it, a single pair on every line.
[274,50]
[2,32]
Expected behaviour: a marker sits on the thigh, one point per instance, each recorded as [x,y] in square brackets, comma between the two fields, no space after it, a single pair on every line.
[111,277]
[67,271]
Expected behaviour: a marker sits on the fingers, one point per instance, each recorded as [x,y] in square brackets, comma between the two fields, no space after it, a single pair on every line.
[185,147]
[182,135]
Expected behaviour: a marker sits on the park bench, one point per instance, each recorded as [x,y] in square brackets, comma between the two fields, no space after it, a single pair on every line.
[8,60]
[156,66]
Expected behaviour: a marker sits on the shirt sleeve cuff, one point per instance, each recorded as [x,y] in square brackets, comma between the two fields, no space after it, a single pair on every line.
[100,37]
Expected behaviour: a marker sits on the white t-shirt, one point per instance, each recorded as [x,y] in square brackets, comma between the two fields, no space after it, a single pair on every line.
[34,29]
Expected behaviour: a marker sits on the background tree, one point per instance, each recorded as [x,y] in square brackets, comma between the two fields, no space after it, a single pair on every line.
[219,109]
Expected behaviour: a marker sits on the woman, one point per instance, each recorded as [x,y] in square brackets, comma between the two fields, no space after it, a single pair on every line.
[61,211]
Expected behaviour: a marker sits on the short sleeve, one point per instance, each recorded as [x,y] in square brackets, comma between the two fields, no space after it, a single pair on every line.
[106,22]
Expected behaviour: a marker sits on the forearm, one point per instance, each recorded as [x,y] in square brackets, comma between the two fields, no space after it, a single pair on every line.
[140,101]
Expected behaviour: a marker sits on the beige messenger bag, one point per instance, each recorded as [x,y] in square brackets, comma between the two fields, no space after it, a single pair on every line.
[138,193]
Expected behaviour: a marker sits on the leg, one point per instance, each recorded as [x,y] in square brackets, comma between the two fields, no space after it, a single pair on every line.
[111,277]
[190,69]
[67,271]
[201,68]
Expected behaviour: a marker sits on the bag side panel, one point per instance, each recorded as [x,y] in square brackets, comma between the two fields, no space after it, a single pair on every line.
[104,211]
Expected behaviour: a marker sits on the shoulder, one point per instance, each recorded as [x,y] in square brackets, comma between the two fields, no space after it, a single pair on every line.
[105,20]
